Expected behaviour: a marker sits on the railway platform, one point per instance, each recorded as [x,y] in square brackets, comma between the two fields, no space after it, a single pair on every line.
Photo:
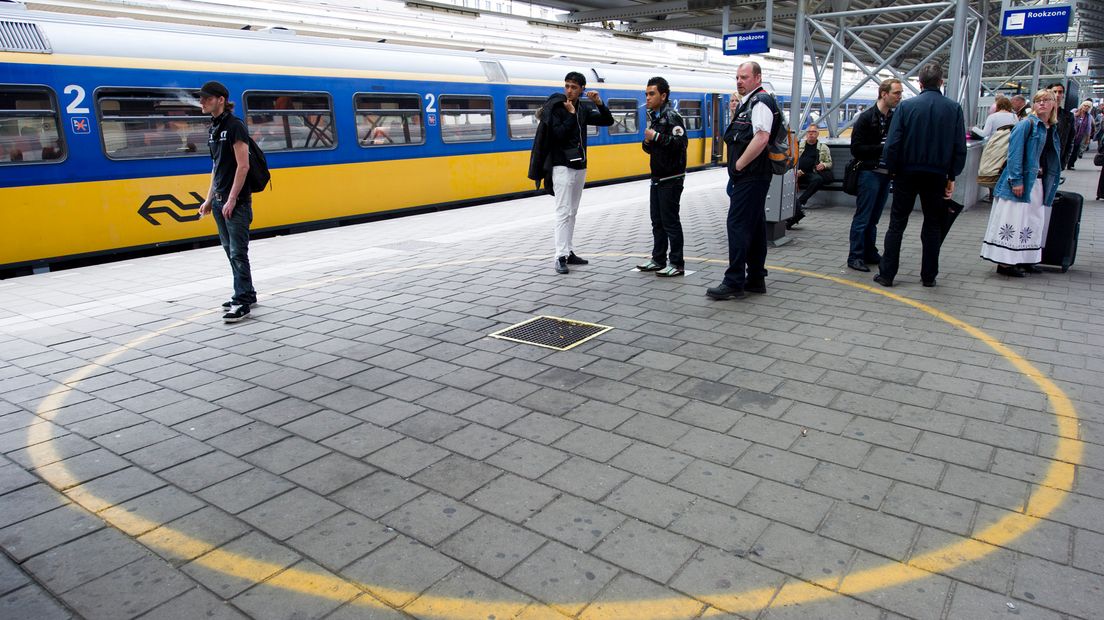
[360,447]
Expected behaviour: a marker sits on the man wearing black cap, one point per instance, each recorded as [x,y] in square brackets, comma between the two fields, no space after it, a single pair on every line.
[229,197]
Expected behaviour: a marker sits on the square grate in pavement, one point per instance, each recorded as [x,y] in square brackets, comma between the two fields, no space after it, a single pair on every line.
[551,332]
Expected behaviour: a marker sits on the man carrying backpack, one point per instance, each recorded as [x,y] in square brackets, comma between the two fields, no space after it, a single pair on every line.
[229,197]
[756,120]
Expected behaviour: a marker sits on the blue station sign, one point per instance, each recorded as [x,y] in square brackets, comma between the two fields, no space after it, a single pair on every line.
[751,42]
[1036,20]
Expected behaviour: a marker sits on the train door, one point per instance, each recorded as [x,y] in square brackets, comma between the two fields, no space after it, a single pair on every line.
[718,119]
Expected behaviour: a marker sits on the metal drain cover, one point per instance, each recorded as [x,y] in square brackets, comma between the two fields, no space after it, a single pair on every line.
[551,332]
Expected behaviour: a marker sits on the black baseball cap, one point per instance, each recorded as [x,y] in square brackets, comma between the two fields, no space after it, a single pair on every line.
[213,89]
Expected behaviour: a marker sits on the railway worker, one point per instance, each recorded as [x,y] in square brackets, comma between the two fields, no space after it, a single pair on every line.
[757,118]
[924,152]
[229,197]
[867,139]
[665,143]
[568,133]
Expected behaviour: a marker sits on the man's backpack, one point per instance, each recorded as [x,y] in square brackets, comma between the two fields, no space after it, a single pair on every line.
[782,149]
[258,176]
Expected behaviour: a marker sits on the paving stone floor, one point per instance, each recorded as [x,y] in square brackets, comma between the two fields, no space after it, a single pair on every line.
[360,448]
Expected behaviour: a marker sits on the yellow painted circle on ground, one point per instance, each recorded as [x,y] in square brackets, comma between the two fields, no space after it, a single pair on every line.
[1045,500]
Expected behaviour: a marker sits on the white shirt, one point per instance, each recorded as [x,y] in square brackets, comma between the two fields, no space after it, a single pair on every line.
[998,119]
[761,116]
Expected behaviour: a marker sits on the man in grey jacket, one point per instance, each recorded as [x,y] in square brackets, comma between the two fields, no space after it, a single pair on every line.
[924,152]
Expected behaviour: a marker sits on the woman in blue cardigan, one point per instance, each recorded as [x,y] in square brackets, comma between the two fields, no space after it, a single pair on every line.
[1024,192]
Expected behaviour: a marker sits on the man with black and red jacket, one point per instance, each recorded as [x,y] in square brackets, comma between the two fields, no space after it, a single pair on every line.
[665,142]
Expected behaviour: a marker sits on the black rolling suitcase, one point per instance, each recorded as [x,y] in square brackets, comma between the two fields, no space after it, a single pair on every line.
[1065,224]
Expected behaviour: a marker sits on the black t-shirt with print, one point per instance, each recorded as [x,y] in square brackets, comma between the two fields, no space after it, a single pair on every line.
[226,130]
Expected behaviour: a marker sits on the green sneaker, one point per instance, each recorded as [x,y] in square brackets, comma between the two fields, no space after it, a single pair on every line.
[670,271]
[651,265]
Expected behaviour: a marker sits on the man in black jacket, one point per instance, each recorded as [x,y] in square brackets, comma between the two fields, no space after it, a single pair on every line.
[1065,125]
[665,142]
[568,138]
[867,139]
[924,152]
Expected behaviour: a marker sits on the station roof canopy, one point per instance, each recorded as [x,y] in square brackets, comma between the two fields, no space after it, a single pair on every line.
[899,21]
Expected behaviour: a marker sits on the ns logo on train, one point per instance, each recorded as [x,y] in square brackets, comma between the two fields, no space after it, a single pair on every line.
[170,205]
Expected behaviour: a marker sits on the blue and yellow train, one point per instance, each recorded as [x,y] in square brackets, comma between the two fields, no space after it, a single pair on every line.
[103,146]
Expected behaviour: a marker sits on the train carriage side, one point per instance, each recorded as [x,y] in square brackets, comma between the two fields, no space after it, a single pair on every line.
[120,158]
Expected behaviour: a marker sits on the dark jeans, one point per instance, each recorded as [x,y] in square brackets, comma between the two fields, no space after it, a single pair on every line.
[666,227]
[930,189]
[747,232]
[811,182]
[234,235]
[873,191]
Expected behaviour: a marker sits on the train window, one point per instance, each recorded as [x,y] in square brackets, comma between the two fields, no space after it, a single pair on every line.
[690,109]
[289,121]
[466,118]
[521,116]
[389,119]
[145,123]
[29,126]
[625,117]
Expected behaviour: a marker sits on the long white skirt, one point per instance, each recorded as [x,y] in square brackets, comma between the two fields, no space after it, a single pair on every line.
[1017,230]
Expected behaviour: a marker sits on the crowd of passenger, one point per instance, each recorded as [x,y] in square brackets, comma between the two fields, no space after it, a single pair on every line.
[913,149]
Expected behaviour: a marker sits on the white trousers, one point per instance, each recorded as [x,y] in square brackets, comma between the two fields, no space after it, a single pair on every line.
[568,185]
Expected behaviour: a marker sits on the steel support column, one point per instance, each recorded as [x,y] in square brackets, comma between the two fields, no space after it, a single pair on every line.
[799,66]
[1035,70]
[973,80]
[958,45]
[837,69]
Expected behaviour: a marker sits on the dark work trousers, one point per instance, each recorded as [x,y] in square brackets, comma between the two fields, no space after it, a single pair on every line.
[234,235]
[666,227]
[810,182]
[873,191]
[747,232]
[906,187]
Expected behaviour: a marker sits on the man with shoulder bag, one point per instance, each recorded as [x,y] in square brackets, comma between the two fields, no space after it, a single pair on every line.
[867,139]
[568,143]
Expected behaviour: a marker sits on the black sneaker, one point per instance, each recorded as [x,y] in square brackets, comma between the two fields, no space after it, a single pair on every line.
[756,286]
[561,265]
[725,291]
[575,260]
[236,313]
[226,304]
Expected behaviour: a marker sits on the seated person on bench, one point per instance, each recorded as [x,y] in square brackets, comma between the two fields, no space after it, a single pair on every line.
[814,170]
